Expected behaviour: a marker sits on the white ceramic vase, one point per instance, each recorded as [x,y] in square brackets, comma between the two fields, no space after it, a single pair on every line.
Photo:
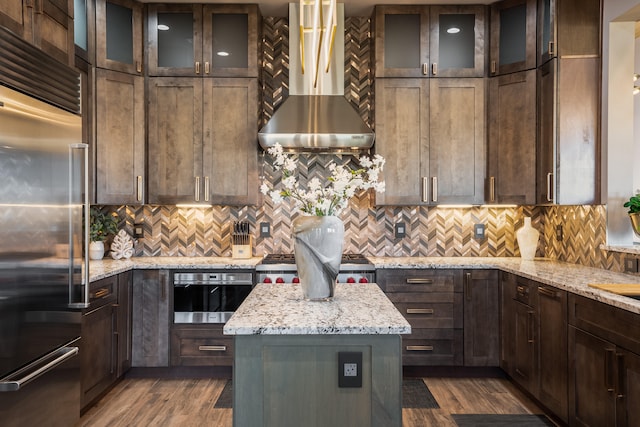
[318,244]
[527,237]
[96,250]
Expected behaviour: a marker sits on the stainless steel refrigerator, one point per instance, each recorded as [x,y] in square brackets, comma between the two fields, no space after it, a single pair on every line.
[43,206]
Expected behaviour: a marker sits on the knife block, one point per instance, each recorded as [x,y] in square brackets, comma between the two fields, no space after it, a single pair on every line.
[241,247]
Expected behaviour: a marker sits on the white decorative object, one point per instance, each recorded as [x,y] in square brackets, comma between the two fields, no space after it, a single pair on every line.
[96,250]
[318,250]
[122,246]
[527,237]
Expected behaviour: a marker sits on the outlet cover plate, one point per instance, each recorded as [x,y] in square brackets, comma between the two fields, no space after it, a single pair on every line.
[138,231]
[400,230]
[478,231]
[350,369]
[265,229]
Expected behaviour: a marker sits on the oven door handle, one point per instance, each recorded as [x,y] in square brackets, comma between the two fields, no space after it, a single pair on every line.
[39,368]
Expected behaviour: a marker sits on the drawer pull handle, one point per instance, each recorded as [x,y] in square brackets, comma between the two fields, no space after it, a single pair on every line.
[419,310]
[419,281]
[521,290]
[419,348]
[212,348]
[103,292]
[546,292]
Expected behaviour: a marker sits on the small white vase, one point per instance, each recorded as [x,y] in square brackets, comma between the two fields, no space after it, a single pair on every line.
[318,250]
[527,237]
[96,250]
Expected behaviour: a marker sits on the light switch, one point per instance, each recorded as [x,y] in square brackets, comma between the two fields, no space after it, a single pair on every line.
[400,230]
[265,229]
[138,231]
[478,231]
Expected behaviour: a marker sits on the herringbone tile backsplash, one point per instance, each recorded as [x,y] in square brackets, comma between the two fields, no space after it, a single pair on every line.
[173,231]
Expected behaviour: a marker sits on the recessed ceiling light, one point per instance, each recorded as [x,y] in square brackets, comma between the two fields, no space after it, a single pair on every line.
[163,27]
[453,30]
[222,53]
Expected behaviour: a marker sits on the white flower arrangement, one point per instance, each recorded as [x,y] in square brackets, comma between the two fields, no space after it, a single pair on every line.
[331,199]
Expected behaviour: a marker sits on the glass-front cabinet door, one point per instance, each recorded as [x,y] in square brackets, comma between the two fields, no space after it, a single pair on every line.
[119,35]
[402,41]
[175,40]
[230,42]
[513,36]
[457,41]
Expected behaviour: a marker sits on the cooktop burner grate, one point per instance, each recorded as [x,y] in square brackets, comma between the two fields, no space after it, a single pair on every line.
[290,259]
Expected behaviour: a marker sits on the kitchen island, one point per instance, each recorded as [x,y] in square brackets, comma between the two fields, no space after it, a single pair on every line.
[290,353]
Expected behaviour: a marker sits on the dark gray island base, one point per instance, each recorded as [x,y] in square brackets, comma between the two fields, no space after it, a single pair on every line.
[286,366]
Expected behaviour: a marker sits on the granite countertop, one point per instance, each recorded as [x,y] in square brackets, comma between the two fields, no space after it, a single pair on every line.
[570,277]
[108,267]
[279,309]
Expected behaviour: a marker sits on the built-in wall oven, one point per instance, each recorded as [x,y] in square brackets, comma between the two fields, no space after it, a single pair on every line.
[209,297]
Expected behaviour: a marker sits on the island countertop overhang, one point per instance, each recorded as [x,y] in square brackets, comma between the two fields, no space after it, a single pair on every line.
[280,309]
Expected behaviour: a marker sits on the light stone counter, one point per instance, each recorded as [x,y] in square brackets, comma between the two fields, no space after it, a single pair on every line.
[108,267]
[570,277]
[279,309]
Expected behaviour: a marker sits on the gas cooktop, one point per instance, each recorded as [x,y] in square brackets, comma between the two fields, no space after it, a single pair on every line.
[290,259]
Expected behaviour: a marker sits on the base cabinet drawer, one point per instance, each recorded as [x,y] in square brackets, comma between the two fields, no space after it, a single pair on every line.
[204,346]
[433,347]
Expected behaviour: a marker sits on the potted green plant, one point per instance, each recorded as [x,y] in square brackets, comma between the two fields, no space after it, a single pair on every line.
[634,212]
[102,225]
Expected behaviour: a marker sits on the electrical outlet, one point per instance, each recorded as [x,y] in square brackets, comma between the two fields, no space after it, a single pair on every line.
[400,230]
[630,265]
[138,231]
[350,369]
[265,229]
[478,231]
[559,233]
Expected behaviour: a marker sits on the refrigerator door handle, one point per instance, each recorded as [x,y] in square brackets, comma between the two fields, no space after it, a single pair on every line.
[34,370]
[73,181]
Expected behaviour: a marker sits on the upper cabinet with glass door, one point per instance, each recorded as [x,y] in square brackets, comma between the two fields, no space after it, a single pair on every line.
[119,35]
[423,41]
[197,40]
[513,36]
[568,28]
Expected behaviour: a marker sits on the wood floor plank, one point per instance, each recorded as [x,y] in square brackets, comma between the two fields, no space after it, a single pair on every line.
[191,402]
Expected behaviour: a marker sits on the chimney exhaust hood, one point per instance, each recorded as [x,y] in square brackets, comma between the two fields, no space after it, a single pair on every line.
[316,117]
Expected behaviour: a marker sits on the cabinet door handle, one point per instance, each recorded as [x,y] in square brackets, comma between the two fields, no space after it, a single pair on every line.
[530,327]
[206,67]
[164,282]
[551,47]
[419,310]
[206,188]
[419,281]
[102,292]
[621,376]
[547,292]
[434,189]
[425,190]
[39,7]
[138,66]
[492,189]
[197,189]
[212,348]
[419,348]
[425,69]
[467,286]
[549,187]
[493,67]
[434,68]
[608,370]
[197,67]
[139,188]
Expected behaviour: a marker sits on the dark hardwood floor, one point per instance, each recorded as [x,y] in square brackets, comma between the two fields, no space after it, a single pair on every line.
[190,402]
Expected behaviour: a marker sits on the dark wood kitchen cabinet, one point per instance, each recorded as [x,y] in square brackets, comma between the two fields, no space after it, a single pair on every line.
[203,40]
[426,130]
[47,24]
[200,345]
[119,35]
[120,138]
[202,142]
[511,145]
[604,368]
[481,318]
[151,298]
[507,314]
[106,336]
[431,301]
[429,41]
[513,36]
[568,28]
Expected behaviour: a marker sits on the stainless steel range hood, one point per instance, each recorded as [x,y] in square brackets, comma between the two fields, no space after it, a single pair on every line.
[316,118]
